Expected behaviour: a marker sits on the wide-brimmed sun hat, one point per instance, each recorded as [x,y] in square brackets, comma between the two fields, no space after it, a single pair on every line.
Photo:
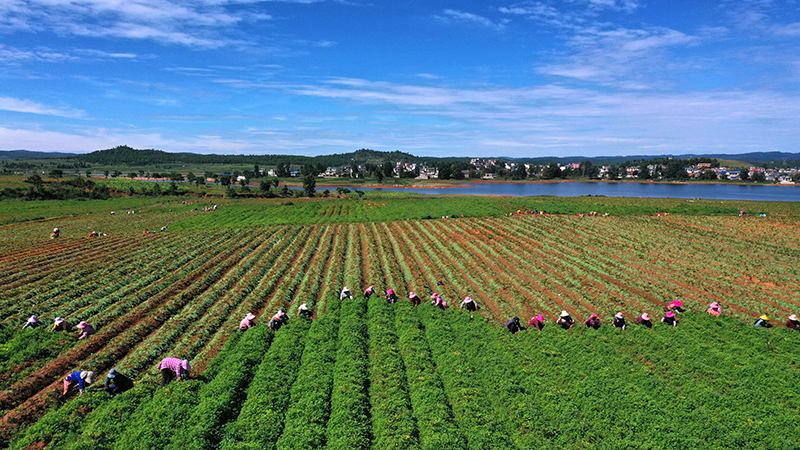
[793,318]
[764,316]
[618,315]
[645,316]
[564,314]
[670,314]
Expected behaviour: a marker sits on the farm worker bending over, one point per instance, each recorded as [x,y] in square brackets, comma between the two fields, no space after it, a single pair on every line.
[793,323]
[304,311]
[537,322]
[669,319]
[714,309]
[56,232]
[278,320]
[368,293]
[565,321]
[80,378]
[763,322]
[469,304]
[32,322]
[86,330]
[593,322]
[414,299]
[676,306]
[345,294]
[247,322]
[644,319]
[117,383]
[61,325]
[437,300]
[172,368]
[619,321]
[390,296]
[513,325]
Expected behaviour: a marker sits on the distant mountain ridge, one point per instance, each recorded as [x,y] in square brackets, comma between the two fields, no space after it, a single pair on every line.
[28,154]
[125,155]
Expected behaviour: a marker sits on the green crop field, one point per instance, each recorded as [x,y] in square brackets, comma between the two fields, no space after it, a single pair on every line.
[366,374]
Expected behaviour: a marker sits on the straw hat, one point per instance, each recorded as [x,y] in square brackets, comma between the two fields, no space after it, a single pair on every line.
[564,314]
[793,318]
[764,316]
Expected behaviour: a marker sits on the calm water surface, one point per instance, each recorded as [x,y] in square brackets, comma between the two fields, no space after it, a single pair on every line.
[655,190]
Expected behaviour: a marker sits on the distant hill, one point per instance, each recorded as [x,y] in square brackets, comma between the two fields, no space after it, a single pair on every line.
[753,158]
[27,154]
[125,155]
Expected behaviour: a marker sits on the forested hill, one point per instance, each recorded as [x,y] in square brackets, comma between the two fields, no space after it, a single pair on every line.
[125,155]
[27,154]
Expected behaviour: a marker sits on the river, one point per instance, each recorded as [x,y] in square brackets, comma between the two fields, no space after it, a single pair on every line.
[782,193]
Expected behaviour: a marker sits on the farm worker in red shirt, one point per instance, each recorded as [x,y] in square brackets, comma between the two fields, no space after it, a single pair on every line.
[345,293]
[565,321]
[33,322]
[714,309]
[676,306]
[793,323]
[537,322]
[390,296]
[247,322]
[304,311]
[171,368]
[644,319]
[593,322]
[619,321]
[669,319]
[81,378]
[368,293]
[469,304]
[61,325]
[513,325]
[414,299]
[86,330]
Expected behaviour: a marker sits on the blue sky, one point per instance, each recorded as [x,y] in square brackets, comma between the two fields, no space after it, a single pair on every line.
[432,78]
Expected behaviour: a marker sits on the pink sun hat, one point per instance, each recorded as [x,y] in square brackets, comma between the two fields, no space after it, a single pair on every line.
[645,316]
[540,317]
[670,314]
[714,305]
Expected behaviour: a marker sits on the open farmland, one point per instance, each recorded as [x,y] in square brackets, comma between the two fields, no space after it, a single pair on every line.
[366,374]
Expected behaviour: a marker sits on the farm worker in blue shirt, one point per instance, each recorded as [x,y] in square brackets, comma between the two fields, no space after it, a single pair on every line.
[81,378]
[763,322]
[32,322]
[345,293]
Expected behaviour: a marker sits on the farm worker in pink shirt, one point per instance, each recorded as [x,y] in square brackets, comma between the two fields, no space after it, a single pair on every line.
[676,306]
[390,296]
[247,322]
[469,304]
[368,293]
[171,368]
[714,309]
[345,293]
[593,322]
[414,299]
[437,300]
[537,322]
[81,378]
[86,330]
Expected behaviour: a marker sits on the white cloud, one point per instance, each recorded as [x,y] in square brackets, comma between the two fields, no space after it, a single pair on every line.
[27,106]
[451,15]
[184,22]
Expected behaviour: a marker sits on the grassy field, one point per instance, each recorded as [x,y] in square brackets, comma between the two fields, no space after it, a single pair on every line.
[366,374]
